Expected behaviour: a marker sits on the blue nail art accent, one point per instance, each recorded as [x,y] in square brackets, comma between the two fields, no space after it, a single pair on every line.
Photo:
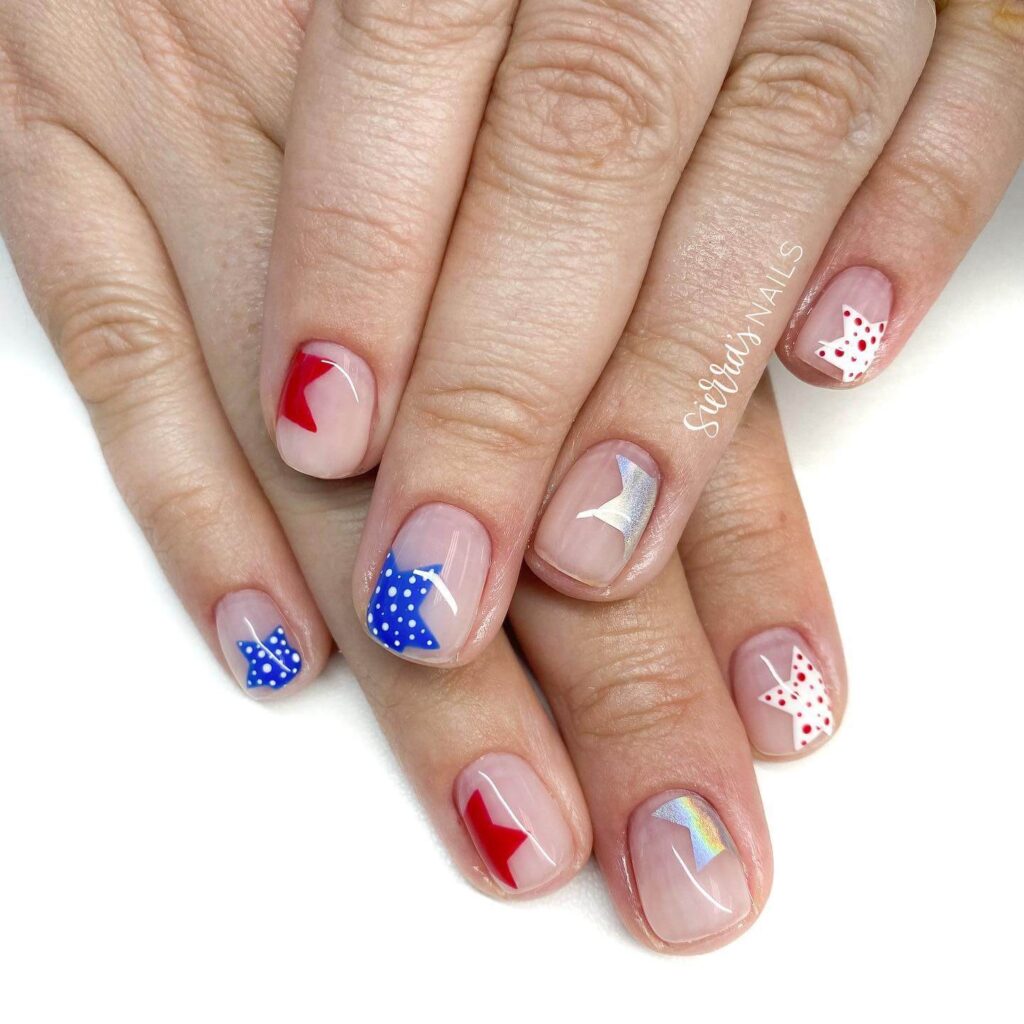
[393,614]
[273,662]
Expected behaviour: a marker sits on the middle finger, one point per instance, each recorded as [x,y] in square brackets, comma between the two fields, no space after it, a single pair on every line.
[593,112]
[812,96]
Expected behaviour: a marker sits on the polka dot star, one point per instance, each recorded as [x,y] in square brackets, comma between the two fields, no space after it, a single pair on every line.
[803,696]
[855,351]
[273,662]
[393,615]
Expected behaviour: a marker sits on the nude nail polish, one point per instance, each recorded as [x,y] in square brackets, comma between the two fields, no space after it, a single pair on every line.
[427,595]
[255,642]
[598,514]
[514,822]
[689,876]
[326,410]
[845,329]
[781,693]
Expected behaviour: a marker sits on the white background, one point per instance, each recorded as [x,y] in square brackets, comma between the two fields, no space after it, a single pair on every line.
[172,851]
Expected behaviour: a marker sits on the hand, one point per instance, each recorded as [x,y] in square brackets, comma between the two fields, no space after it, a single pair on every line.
[104,233]
[531,197]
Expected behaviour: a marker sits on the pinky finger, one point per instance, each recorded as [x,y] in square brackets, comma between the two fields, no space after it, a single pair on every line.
[96,273]
[951,157]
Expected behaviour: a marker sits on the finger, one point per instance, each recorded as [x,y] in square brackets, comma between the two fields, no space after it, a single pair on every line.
[679,829]
[481,752]
[386,107]
[594,110]
[951,157]
[760,593]
[96,273]
[803,114]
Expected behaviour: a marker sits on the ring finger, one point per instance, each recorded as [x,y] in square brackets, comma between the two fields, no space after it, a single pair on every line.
[679,830]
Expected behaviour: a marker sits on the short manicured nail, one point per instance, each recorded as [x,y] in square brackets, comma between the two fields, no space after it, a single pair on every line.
[688,874]
[252,635]
[595,519]
[514,822]
[326,409]
[426,598]
[780,693]
[845,329]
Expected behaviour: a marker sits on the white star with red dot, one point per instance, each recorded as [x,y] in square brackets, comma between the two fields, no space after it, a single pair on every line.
[855,351]
[803,696]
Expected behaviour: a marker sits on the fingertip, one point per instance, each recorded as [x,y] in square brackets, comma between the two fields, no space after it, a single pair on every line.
[519,829]
[326,411]
[267,655]
[843,332]
[786,694]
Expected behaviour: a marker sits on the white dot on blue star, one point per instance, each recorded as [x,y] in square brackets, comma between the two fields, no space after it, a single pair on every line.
[272,661]
[389,616]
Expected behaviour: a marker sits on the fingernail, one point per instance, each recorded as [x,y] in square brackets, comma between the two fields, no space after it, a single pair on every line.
[595,519]
[327,402]
[688,874]
[780,693]
[514,822]
[426,597]
[256,646]
[845,329]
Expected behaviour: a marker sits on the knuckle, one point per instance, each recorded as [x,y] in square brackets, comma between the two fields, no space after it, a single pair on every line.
[367,232]
[499,410]
[930,182]
[669,357]
[596,95]
[113,337]
[176,513]
[638,691]
[418,27]
[806,100]
[747,529]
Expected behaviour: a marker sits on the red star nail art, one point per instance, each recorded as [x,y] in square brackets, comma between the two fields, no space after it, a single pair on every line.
[304,370]
[496,842]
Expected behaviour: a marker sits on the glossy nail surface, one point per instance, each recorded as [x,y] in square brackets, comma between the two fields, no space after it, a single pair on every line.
[326,410]
[596,517]
[845,330]
[427,595]
[781,693]
[689,877]
[255,643]
[514,822]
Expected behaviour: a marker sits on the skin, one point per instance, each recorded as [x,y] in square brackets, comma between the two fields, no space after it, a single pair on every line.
[535,332]
[140,231]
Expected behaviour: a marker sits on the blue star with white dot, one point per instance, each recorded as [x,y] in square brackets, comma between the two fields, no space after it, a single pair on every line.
[273,661]
[393,614]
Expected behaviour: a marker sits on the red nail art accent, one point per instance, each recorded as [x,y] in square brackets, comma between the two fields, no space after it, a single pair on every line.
[304,370]
[497,841]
